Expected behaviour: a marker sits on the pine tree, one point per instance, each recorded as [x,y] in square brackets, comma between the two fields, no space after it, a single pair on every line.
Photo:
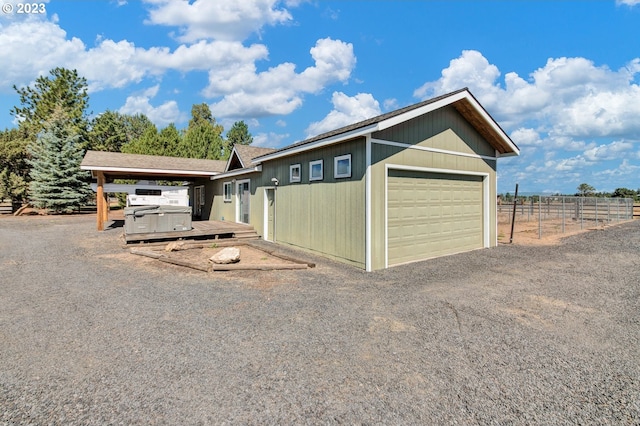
[238,134]
[203,137]
[57,182]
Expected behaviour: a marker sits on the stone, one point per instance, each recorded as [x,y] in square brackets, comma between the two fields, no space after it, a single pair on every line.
[175,246]
[226,255]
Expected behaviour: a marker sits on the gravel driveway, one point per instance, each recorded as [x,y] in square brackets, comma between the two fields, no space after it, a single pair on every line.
[90,334]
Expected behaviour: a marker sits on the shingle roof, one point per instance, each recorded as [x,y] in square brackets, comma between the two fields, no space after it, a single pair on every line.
[499,139]
[247,153]
[151,164]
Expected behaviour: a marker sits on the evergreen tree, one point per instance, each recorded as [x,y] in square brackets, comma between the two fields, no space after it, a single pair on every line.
[238,134]
[14,169]
[108,132]
[148,143]
[203,137]
[57,183]
[169,139]
[64,90]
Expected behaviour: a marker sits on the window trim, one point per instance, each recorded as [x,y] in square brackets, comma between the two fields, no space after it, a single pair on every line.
[313,163]
[227,197]
[291,177]
[336,160]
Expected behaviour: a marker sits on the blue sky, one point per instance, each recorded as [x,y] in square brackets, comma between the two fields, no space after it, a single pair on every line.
[561,77]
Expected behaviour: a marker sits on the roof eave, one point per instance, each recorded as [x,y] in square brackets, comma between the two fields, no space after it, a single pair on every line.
[363,131]
[237,172]
[147,171]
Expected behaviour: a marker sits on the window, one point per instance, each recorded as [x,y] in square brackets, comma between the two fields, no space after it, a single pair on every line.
[227,191]
[294,173]
[146,191]
[342,166]
[315,170]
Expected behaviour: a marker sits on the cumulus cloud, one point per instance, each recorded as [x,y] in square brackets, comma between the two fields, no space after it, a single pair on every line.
[167,112]
[573,95]
[278,90]
[229,20]
[526,137]
[617,149]
[346,110]
[628,2]
[236,86]
[35,47]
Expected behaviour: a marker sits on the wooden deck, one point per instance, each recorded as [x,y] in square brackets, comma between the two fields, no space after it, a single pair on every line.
[206,229]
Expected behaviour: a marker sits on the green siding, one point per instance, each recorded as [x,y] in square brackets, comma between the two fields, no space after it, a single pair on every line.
[443,129]
[326,216]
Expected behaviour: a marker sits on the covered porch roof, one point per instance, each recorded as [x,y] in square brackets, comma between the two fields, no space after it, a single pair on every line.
[115,165]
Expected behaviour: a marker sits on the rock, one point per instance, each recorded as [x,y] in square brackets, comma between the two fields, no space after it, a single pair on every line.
[226,255]
[175,246]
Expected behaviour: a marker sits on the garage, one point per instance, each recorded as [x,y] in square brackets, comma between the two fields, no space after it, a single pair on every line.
[432,214]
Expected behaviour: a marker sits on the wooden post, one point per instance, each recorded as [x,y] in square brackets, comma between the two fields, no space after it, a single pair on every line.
[513,217]
[100,203]
[107,207]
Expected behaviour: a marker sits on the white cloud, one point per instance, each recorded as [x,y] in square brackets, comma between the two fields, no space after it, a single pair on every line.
[279,90]
[38,46]
[567,98]
[35,47]
[526,137]
[161,115]
[628,2]
[230,20]
[346,110]
[618,149]
[269,140]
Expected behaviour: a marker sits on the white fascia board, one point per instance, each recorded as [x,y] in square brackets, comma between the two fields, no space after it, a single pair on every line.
[363,131]
[149,171]
[393,121]
[237,172]
[487,118]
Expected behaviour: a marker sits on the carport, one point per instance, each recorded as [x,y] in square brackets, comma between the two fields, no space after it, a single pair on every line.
[107,166]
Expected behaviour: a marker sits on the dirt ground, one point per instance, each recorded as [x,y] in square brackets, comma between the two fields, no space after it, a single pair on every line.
[248,255]
[528,233]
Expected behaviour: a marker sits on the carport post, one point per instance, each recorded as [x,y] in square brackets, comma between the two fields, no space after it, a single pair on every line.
[100,203]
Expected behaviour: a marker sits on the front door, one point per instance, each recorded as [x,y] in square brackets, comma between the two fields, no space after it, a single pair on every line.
[243,193]
[270,214]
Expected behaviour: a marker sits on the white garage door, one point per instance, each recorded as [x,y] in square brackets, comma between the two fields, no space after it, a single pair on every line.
[433,214]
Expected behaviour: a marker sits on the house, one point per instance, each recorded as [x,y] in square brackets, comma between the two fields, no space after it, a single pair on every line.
[408,185]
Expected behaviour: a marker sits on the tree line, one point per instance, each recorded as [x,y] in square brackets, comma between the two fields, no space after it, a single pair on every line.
[40,158]
[583,190]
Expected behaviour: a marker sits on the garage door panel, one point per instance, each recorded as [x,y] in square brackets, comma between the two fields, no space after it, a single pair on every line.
[432,214]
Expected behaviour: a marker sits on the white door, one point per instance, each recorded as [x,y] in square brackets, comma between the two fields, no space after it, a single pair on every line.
[270,214]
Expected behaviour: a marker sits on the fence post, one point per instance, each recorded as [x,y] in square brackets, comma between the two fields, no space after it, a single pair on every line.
[581,213]
[563,215]
[596,212]
[539,217]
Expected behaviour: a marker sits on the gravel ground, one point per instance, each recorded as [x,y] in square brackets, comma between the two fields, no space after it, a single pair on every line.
[90,334]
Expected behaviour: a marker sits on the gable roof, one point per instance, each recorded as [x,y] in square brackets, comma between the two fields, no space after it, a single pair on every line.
[244,155]
[462,100]
[120,164]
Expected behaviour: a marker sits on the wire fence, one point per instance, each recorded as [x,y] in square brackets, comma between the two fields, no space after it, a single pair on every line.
[559,214]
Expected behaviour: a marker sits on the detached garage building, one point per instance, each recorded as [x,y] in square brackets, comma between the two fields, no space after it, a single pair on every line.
[405,186]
